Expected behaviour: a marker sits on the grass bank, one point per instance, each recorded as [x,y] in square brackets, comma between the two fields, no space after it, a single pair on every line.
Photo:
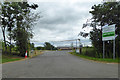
[96,59]
[10,58]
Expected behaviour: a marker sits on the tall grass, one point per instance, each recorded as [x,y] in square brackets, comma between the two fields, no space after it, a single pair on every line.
[92,52]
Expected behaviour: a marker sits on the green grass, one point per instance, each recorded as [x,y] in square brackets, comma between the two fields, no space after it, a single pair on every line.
[10,58]
[97,59]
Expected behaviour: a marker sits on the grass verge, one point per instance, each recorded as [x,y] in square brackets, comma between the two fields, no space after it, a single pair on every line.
[97,59]
[10,58]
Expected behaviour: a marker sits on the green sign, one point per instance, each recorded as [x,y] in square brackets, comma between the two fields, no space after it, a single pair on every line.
[108,32]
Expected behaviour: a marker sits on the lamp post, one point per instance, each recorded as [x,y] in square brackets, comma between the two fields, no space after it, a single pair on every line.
[79,47]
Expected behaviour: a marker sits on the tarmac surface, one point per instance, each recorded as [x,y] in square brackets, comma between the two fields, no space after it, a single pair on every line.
[58,64]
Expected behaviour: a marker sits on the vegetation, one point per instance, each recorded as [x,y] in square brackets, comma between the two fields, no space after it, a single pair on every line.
[9,58]
[47,46]
[107,13]
[32,46]
[17,20]
[40,48]
[91,51]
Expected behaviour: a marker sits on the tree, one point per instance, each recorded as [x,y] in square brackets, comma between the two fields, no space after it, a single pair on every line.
[32,46]
[48,46]
[108,13]
[23,32]
[40,48]
[4,20]
[102,14]
[18,19]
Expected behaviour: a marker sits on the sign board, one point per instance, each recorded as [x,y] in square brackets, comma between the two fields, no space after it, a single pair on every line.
[77,51]
[108,32]
[81,46]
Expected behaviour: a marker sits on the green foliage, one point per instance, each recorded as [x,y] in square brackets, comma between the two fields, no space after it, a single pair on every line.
[21,39]
[18,19]
[102,14]
[96,39]
[40,48]
[32,46]
[48,46]
[89,51]
[108,13]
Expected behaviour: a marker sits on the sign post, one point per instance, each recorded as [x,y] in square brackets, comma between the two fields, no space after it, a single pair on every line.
[108,33]
[103,49]
[76,45]
[114,49]
[81,48]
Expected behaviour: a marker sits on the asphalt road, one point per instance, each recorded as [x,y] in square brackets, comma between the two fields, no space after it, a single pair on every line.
[59,64]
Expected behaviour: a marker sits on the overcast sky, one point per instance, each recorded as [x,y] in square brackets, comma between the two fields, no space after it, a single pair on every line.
[62,20]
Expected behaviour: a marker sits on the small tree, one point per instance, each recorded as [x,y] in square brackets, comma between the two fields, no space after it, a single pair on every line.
[48,46]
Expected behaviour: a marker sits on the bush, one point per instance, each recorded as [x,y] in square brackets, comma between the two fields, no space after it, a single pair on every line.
[90,51]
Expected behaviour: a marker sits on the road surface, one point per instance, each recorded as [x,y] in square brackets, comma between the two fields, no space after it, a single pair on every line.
[59,64]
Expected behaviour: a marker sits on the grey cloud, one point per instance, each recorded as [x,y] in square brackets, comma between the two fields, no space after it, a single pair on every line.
[61,21]
[61,18]
[64,14]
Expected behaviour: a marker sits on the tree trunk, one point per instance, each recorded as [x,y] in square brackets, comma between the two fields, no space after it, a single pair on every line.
[118,46]
[118,42]
[10,40]
[3,30]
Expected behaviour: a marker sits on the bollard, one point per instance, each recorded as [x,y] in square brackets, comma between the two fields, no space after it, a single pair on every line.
[26,54]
